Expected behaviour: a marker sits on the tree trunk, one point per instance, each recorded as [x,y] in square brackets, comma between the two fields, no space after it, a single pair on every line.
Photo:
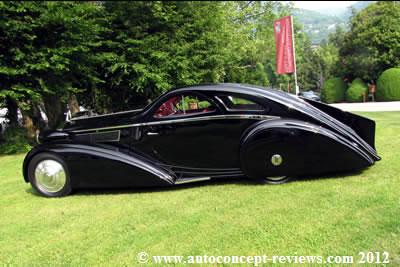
[31,121]
[29,126]
[12,113]
[73,104]
[321,81]
[54,110]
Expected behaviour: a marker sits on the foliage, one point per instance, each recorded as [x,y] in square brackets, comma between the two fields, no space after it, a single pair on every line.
[46,53]
[112,60]
[190,102]
[388,85]
[334,90]
[357,90]
[315,64]
[327,57]
[14,140]
[372,44]
[337,38]
[165,45]
[307,64]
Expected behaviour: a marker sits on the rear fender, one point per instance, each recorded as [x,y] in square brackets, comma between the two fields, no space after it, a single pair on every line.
[304,148]
[364,127]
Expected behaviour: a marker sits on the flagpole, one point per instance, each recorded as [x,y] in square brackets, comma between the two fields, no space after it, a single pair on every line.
[294,56]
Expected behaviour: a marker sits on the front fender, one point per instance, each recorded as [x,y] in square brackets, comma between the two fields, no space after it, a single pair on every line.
[104,166]
[304,148]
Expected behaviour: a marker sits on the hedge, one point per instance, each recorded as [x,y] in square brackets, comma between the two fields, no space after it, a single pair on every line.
[356,91]
[333,90]
[388,85]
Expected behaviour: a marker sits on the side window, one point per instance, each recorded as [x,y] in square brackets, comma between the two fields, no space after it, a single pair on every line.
[182,105]
[238,103]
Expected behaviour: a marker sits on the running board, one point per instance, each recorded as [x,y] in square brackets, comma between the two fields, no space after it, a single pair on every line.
[191,180]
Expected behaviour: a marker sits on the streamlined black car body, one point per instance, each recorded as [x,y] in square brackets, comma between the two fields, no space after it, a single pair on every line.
[200,133]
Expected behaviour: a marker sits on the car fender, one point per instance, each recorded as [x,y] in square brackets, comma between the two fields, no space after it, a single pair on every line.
[104,165]
[287,147]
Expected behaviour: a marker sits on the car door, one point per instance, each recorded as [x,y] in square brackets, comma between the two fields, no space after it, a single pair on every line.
[191,131]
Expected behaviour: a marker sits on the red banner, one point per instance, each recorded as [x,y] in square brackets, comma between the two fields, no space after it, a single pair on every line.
[284,45]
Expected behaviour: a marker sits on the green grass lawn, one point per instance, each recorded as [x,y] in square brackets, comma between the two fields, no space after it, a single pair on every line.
[331,216]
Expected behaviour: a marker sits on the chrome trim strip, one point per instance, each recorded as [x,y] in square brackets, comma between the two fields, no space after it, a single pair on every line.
[105,115]
[191,180]
[215,117]
[111,140]
[233,110]
[132,160]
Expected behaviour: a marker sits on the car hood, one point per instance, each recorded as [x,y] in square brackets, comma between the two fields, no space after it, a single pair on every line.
[101,121]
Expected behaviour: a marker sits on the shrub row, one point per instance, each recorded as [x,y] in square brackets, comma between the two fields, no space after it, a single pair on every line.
[14,140]
[388,85]
[388,88]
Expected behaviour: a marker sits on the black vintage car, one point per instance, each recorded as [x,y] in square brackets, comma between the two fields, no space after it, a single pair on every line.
[199,133]
[311,95]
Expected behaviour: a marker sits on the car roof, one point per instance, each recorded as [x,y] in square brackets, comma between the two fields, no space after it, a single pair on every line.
[237,88]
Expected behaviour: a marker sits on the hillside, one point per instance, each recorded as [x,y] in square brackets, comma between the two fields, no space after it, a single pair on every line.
[318,24]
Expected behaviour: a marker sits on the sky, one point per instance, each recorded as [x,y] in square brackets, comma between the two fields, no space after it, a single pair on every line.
[318,5]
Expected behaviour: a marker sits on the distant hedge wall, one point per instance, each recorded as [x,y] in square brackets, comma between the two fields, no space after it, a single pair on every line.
[333,90]
[388,85]
[356,90]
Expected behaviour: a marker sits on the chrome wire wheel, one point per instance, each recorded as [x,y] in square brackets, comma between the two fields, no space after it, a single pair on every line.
[276,178]
[50,176]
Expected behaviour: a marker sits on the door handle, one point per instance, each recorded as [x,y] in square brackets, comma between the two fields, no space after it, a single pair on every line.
[152,133]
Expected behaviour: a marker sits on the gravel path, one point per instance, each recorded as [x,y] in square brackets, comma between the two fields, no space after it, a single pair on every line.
[369,106]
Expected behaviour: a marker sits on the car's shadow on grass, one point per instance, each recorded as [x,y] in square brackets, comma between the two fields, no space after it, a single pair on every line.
[32,191]
[340,175]
[215,182]
[133,190]
[96,191]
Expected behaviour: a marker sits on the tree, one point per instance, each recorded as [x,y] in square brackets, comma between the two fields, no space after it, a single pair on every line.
[46,55]
[16,44]
[250,52]
[337,38]
[308,66]
[327,60]
[111,56]
[165,45]
[372,45]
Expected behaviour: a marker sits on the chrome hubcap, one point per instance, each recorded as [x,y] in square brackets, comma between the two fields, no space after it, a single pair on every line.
[276,160]
[50,176]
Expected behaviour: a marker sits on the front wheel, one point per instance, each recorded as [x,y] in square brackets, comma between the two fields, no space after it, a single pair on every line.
[49,176]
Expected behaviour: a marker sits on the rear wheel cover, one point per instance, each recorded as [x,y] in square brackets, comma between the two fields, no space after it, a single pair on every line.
[276,179]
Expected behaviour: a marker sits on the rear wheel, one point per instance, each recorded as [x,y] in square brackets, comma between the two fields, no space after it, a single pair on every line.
[49,176]
[276,180]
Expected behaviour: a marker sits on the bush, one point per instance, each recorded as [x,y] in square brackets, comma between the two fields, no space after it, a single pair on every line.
[356,91]
[388,85]
[333,90]
[14,140]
